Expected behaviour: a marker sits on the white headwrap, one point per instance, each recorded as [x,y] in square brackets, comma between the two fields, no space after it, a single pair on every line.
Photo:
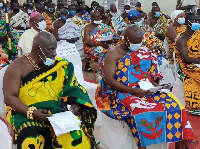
[175,14]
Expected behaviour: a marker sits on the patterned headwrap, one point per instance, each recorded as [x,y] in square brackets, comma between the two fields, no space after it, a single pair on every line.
[132,14]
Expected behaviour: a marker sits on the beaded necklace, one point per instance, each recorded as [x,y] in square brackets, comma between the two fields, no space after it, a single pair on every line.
[32,62]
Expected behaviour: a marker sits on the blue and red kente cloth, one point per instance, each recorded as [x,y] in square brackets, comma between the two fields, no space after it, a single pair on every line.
[160,118]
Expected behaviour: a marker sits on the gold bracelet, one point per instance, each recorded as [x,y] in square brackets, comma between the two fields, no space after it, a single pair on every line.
[30,112]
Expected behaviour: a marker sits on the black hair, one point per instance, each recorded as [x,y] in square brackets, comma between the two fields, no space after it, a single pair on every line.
[189,17]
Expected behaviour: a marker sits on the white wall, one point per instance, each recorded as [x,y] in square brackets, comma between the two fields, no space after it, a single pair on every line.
[166,6]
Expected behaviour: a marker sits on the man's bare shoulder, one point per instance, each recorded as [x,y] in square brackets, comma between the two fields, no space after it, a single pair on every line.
[116,53]
[56,23]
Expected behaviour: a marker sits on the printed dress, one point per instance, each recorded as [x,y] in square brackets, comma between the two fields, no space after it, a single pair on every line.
[101,31]
[160,118]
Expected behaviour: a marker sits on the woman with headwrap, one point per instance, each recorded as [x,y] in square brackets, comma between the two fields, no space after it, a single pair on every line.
[176,29]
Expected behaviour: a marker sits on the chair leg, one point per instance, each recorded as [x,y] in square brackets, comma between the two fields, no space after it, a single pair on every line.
[83,64]
[94,73]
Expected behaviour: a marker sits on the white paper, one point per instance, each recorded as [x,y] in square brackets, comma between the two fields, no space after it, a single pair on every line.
[78,73]
[64,122]
[198,65]
[107,38]
[145,85]
[66,49]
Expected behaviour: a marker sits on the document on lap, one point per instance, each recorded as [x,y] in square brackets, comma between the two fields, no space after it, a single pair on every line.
[107,38]
[146,85]
[64,122]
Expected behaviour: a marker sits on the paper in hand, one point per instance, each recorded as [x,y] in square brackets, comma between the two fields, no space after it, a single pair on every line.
[64,122]
[107,38]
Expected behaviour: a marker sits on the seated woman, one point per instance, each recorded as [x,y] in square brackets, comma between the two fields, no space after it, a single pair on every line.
[176,29]
[153,117]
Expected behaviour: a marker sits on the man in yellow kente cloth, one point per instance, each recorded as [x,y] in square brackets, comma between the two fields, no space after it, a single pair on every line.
[187,56]
[37,85]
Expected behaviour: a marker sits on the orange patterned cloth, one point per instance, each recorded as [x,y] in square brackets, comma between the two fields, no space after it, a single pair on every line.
[180,30]
[48,22]
[191,79]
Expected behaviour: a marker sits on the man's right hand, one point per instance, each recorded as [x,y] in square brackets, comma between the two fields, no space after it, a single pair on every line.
[72,40]
[140,92]
[41,115]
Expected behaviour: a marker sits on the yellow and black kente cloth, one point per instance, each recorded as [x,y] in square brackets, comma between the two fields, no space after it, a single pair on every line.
[52,88]
[191,79]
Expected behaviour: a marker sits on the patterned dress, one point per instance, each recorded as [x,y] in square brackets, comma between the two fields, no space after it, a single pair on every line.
[101,31]
[190,73]
[160,118]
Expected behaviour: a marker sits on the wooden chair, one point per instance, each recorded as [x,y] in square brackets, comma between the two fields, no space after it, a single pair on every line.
[89,57]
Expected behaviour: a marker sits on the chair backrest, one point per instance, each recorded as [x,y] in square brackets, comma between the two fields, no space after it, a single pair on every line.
[2,105]
[75,59]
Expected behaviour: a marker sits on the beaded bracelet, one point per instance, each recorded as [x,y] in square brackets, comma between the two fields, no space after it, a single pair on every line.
[30,112]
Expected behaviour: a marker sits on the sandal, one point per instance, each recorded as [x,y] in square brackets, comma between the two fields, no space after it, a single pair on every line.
[190,144]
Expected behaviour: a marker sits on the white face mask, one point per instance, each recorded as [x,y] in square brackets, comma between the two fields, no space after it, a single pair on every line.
[127,11]
[133,47]
[48,61]
[30,11]
[97,22]
[1,5]
[140,23]
[42,25]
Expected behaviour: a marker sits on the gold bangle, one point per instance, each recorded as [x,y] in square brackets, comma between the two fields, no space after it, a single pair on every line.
[30,112]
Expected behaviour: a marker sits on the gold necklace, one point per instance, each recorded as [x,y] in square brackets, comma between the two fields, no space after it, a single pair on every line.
[32,62]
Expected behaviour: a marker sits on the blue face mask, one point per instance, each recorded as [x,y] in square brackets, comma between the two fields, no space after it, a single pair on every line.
[134,47]
[195,26]
[64,18]
[83,12]
[73,13]
[1,5]
[157,15]
[140,23]
[49,62]
[181,21]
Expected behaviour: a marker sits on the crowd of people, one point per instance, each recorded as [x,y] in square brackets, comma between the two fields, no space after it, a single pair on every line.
[129,47]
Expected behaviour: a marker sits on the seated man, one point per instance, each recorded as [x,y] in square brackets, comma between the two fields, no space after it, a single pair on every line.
[124,15]
[40,8]
[118,23]
[178,27]
[151,116]
[38,85]
[50,9]
[158,22]
[94,32]
[29,8]
[84,15]
[56,14]
[138,8]
[187,56]
[187,5]
[37,24]
[65,30]
[19,20]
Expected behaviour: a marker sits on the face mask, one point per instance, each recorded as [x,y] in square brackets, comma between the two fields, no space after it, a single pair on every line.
[1,5]
[73,13]
[30,11]
[140,23]
[83,12]
[195,26]
[157,15]
[97,22]
[134,47]
[181,21]
[50,9]
[64,18]
[48,61]
[42,25]
[127,11]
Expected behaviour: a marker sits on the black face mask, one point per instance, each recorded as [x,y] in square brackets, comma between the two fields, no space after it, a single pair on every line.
[16,10]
